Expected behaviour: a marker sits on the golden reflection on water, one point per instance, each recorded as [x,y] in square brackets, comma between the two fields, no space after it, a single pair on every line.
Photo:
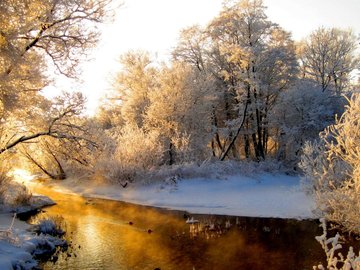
[116,235]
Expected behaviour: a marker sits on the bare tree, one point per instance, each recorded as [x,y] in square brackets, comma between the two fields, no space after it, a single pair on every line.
[33,32]
[60,123]
[329,56]
[60,29]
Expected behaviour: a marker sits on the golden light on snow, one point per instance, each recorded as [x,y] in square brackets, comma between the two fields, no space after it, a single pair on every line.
[21,175]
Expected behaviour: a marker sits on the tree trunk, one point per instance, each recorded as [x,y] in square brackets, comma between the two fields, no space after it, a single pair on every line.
[171,154]
[42,168]
[61,173]
[217,137]
[247,146]
[213,148]
[224,155]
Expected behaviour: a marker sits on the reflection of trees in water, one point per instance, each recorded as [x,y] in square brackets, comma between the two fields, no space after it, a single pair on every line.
[208,228]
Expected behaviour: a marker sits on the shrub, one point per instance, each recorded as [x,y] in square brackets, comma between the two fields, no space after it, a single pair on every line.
[113,171]
[52,225]
[332,168]
[138,148]
[22,196]
[136,151]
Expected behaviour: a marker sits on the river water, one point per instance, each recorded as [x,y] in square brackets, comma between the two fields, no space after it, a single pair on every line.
[115,235]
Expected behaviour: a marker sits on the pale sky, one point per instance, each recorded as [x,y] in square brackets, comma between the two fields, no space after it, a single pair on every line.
[154,25]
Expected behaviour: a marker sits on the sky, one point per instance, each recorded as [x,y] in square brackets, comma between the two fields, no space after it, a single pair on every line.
[155,25]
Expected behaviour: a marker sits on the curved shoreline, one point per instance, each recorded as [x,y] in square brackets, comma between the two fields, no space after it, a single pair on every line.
[278,196]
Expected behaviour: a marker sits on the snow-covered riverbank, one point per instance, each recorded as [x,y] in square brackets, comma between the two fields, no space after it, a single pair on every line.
[19,244]
[264,195]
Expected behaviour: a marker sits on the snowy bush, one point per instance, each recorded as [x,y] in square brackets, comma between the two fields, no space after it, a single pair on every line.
[336,261]
[135,152]
[11,192]
[332,168]
[113,171]
[212,168]
[139,148]
[51,225]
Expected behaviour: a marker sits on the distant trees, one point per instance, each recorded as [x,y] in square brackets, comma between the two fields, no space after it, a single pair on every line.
[174,102]
[239,35]
[239,88]
[133,85]
[329,56]
[300,114]
[327,59]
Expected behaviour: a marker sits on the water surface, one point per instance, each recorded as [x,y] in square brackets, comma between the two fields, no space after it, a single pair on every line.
[115,235]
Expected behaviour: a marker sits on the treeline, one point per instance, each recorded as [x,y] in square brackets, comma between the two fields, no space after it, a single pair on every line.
[238,89]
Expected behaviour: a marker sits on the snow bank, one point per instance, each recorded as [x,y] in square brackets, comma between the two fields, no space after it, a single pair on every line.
[14,250]
[263,195]
[12,256]
[18,244]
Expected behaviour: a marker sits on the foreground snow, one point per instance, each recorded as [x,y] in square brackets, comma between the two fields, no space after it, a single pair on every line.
[19,247]
[18,243]
[264,195]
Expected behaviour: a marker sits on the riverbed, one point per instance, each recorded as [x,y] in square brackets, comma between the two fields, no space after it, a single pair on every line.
[107,234]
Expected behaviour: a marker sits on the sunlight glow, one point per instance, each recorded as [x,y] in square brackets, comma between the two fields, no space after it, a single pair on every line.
[155,25]
[21,175]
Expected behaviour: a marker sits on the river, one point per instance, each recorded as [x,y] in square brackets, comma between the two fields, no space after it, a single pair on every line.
[108,234]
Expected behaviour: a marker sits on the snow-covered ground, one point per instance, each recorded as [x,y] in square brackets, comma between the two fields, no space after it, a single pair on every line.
[18,243]
[264,195]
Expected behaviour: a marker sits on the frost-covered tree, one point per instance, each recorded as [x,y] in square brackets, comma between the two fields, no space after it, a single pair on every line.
[173,102]
[238,35]
[59,29]
[180,109]
[332,167]
[34,35]
[301,113]
[251,60]
[132,87]
[329,56]
[191,47]
[195,48]
[65,142]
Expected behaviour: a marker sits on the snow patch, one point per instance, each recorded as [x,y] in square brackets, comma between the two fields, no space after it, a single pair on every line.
[263,195]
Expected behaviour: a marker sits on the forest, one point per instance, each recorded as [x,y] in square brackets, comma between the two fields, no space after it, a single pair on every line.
[237,90]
